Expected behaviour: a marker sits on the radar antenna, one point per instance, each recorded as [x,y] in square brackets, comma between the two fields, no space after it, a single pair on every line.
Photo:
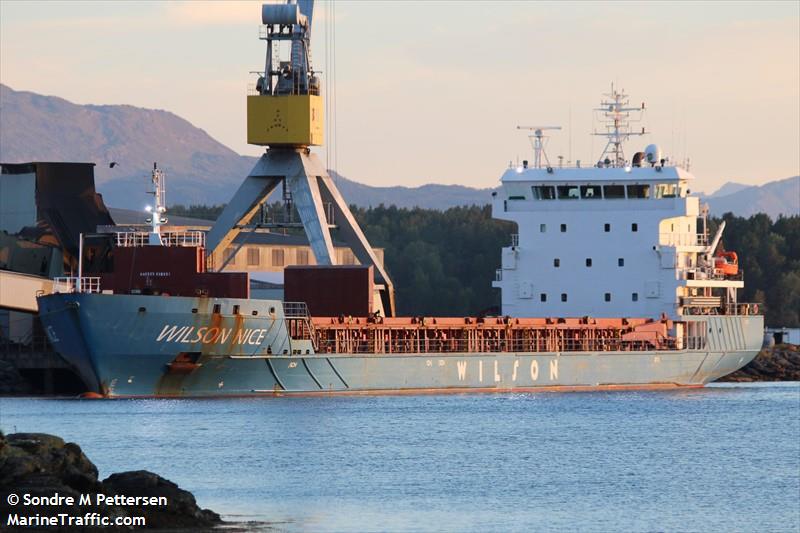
[617,118]
[539,141]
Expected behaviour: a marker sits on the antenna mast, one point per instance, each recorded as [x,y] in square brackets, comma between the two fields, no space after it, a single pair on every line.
[539,142]
[617,117]
[159,208]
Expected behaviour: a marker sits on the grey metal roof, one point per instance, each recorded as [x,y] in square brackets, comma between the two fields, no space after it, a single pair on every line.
[124,217]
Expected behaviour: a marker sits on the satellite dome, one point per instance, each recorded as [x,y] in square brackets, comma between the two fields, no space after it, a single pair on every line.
[653,154]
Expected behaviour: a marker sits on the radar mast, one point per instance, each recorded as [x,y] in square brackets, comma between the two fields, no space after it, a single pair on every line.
[617,117]
[539,142]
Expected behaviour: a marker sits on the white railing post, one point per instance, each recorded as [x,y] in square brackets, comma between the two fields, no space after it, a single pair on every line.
[80,260]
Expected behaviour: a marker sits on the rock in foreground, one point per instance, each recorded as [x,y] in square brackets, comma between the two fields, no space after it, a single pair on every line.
[43,465]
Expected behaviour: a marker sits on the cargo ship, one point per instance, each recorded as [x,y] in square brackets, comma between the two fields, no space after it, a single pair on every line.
[615,261]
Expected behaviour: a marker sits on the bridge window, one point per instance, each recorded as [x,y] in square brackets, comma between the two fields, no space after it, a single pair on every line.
[543,297]
[556,262]
[563,296]
[607,297]
[542,228]
[621,262]
[563,228]
[666,190]
[639,191]
[591,192]
[635,297]
[614,192]
[568,192]
[544,192]
[607,227]
[634,227]
[588,261]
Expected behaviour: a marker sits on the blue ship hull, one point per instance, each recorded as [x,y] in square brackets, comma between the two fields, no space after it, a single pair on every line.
[127,345]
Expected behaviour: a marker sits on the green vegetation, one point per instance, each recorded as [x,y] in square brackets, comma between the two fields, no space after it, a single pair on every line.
[769,254]
[443,262]
[205,212]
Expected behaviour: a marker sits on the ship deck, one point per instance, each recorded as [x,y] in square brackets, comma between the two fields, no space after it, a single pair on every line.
[421,335]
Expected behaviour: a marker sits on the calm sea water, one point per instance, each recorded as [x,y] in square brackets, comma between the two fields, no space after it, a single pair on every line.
[724,458]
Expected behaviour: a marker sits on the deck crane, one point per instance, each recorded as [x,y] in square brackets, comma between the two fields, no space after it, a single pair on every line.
[286,115]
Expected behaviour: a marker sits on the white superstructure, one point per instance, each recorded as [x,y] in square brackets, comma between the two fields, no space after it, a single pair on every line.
[618,239]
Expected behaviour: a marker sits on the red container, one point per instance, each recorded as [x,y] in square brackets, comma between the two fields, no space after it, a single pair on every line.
[177,271]
[331,290]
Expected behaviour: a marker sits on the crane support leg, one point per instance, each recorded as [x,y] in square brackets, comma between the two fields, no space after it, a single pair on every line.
[311,189]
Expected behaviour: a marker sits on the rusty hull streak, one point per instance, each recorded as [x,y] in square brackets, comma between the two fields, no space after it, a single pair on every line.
[171,384]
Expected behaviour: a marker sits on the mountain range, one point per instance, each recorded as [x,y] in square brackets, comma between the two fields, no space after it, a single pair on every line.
[201,170]
[776,198]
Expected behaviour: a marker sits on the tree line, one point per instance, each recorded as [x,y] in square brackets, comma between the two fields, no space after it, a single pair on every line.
[443,262]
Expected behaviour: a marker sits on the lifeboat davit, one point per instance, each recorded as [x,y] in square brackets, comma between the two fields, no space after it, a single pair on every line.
[727,263]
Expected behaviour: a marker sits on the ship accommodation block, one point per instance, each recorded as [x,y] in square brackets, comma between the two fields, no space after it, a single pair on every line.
[611,242]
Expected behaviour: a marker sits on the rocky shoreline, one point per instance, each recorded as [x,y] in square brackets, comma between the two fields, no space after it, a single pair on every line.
[41,465]
[777,363]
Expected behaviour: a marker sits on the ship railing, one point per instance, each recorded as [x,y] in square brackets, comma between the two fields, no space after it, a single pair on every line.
[737,309]
[682,239]
[714,274]
[90,284]
[701,301]
[298,322]
[739,276]
[131,238]
[514,240]
[184,238]
[295,310]
[436,346]
[695,343]
[743,309]
[168,238]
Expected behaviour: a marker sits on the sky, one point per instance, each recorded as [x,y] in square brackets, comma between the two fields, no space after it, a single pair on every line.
[432,92]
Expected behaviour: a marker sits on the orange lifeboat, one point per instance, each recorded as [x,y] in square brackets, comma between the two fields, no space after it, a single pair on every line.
[727,263]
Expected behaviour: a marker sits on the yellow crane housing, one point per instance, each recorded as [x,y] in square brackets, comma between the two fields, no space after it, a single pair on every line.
[285,120]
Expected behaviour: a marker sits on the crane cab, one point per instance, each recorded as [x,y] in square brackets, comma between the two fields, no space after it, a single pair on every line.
[286,109]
